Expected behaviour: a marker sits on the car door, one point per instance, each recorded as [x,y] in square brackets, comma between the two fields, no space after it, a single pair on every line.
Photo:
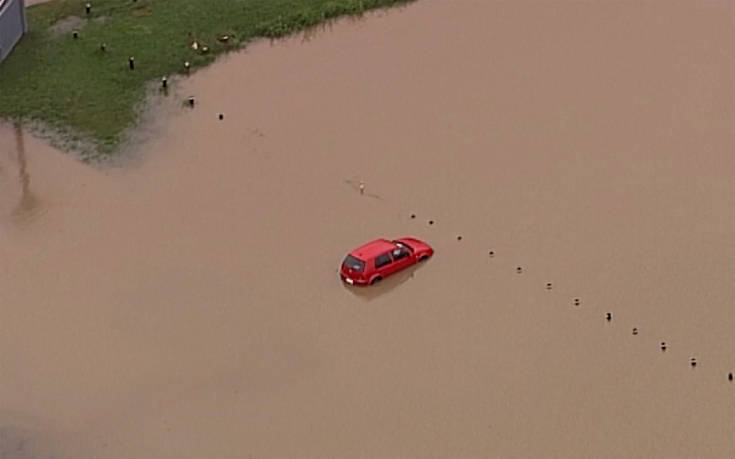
[384,264]
[401,258]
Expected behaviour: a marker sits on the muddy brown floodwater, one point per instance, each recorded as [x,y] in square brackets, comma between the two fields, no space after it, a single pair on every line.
[187,305]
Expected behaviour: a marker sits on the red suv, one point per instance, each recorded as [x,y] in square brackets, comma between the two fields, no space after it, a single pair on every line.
[380,258]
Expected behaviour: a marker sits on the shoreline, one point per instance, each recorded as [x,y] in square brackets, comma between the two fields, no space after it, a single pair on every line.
[108,101]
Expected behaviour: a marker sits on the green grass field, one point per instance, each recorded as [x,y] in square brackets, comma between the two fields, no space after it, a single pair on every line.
[81,91]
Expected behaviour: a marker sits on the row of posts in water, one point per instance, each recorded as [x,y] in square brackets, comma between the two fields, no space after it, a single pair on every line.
[577,302]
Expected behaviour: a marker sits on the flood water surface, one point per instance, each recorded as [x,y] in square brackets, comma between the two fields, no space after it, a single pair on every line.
[187,304]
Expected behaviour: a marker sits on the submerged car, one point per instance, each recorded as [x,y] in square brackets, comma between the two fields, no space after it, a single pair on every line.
[380,258]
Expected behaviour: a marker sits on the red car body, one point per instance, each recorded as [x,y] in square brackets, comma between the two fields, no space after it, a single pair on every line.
[380,258]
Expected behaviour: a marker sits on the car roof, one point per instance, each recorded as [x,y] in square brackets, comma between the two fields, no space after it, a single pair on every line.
[372,249]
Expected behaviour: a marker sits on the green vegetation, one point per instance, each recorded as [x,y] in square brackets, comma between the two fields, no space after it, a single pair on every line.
[76,88]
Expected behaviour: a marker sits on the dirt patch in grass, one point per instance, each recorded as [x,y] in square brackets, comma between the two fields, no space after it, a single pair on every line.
[142,11]
[71,23]
[66,25]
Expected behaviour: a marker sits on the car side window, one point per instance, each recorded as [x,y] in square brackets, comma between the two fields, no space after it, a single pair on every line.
[382,260]
[399,253]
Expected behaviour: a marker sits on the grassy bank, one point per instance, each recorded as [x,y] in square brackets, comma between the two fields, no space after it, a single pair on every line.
[74,86]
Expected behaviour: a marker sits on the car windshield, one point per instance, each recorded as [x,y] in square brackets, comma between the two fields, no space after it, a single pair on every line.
[354,263]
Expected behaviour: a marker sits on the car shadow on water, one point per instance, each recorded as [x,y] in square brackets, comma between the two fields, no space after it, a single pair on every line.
[370,292]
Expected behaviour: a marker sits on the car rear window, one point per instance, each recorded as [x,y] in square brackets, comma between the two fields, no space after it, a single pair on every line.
[354,263]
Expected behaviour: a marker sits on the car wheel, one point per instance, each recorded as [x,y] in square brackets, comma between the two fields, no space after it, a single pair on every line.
[376,280]
[423,258]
